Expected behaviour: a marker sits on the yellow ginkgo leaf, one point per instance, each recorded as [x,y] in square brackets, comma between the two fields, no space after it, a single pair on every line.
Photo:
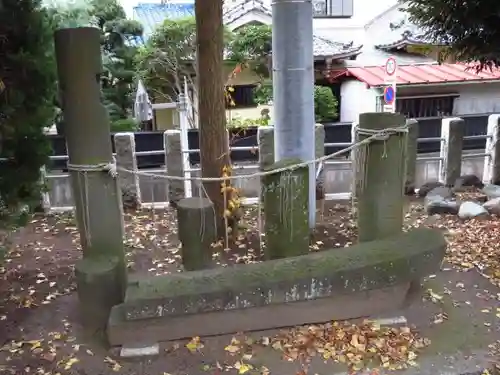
[242,368]
[70,363]
[194,345]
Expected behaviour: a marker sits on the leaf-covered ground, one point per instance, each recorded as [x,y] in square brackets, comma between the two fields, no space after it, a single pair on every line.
[456,322]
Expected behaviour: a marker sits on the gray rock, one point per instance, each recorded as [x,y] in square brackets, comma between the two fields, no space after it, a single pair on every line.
[467,181]
[435,204]
[441,191]
[491,191]
[428,186]
[493,206]
[469,210]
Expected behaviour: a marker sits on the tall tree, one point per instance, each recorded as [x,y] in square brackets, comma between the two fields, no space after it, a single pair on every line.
[468,29]
[27,92]
[214,147]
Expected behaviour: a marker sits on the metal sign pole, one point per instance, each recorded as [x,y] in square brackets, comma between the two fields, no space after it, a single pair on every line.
[391,68]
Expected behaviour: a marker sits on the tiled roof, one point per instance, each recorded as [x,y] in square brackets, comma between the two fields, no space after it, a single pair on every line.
[402,34]
[152,15]
[327,48]
[238,10]
[420,74]
[406,39]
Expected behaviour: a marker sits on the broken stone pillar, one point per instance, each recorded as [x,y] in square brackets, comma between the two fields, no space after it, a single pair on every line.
[411,156]
[450,166]
[174,165]
[101,275]
[197,232]
[380,200]
[286,210]
[491,172]
[265,141]
[126,158]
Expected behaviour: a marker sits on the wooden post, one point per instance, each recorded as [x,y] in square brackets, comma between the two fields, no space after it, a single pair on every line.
[411,156]
[452,131]
[380,201]
[286,210]
[197,232]
[101,275]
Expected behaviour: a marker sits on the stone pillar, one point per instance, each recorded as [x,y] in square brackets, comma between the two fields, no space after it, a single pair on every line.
[411,156]
[320,152]
[174,165]
[450,166]
[126,158]
[101,275]
[197,232]
[355,155]
[491,172]
[286,206]
[380,201]
[45,198]
[265,141]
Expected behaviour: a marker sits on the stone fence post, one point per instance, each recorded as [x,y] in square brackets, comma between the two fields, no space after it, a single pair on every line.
[491,171]
[126,158]
[411,156]
[174,165]
[450,165]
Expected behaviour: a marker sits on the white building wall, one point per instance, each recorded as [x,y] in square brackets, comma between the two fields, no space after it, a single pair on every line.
[473,98]
[478,98]
[356,98]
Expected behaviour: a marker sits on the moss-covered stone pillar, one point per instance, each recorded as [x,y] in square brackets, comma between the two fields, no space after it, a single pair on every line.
[197,231]
[265,141]
[319,144]
[101,275]
[411,156]
[286,210]
[380,200]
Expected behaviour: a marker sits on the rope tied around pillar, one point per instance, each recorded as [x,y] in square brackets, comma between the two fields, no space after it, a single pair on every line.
[109,168]
[363,152]
[83,169]
[383,134]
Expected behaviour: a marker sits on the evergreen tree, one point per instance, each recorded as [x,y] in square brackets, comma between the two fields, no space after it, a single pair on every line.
[27,76]
[468,30]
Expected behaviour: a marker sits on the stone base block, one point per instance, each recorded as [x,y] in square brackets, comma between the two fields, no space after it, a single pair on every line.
[349,306]
[100,287]
[367,279]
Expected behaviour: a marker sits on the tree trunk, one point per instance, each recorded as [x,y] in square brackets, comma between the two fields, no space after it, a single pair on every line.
[211,102]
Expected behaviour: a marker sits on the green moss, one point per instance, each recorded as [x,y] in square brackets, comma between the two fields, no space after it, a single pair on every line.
[286,205]
[403,257]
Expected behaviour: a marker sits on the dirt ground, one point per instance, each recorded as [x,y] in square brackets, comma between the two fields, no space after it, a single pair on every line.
[40,331]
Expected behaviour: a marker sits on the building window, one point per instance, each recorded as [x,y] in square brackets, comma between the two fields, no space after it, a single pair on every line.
[419,107]
[333,8]
[241,97]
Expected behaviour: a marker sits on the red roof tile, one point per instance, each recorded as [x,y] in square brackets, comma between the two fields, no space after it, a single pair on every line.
[422,74]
